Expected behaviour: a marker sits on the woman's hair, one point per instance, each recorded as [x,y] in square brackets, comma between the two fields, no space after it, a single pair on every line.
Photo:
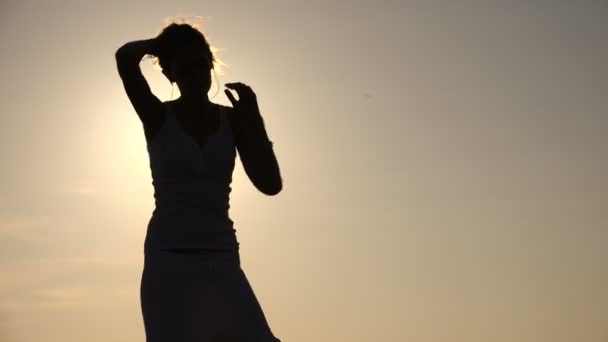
[180,33]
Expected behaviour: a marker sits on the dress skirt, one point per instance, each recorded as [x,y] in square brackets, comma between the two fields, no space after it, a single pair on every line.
[202,297]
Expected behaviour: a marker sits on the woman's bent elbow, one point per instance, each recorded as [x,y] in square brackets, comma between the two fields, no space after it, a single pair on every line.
[271,189]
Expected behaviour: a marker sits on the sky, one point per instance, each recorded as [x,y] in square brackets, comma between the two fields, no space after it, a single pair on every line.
[444,167]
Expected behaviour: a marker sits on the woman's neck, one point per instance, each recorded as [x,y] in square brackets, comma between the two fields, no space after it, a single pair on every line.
[194,101]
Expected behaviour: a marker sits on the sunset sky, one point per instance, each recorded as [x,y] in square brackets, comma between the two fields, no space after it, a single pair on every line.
[444,167]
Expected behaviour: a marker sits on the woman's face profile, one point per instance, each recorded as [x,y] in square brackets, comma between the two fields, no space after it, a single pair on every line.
[191,70]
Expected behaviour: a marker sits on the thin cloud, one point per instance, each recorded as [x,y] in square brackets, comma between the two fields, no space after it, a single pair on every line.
[82,189]
[22,227]
[60,298]
[65,282]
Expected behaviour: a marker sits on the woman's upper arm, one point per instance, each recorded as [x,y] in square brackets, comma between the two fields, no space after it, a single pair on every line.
[143,100]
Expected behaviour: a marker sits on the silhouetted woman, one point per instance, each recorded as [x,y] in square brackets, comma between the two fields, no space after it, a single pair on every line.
[192,285]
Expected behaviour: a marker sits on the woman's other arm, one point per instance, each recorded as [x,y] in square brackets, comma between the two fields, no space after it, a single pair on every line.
[252,142]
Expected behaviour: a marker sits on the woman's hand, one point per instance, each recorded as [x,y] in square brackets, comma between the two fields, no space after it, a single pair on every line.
[247,104]
[246,116]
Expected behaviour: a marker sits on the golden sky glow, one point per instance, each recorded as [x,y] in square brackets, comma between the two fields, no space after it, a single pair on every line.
[444,168]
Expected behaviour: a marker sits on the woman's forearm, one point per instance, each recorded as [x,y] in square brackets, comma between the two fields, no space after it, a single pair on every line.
[261,165]
[258,157]
[132,52]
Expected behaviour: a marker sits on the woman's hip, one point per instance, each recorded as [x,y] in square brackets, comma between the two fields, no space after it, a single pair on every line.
[199,294]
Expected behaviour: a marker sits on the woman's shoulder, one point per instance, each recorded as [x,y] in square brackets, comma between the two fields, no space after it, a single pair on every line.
[225,108]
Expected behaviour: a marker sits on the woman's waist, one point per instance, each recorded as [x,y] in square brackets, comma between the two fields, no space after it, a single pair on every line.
[165,234]
[173,260]
[192,186]
[195,218]
[191,202]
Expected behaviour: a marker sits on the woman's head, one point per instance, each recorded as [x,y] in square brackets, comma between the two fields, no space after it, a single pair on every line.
[186,58]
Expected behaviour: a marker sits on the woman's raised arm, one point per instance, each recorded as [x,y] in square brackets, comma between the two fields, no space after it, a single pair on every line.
[147,105]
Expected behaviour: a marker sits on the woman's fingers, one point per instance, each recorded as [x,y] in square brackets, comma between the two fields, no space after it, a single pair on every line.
[247,103]
[236,85]
[230,97]
[242,89]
